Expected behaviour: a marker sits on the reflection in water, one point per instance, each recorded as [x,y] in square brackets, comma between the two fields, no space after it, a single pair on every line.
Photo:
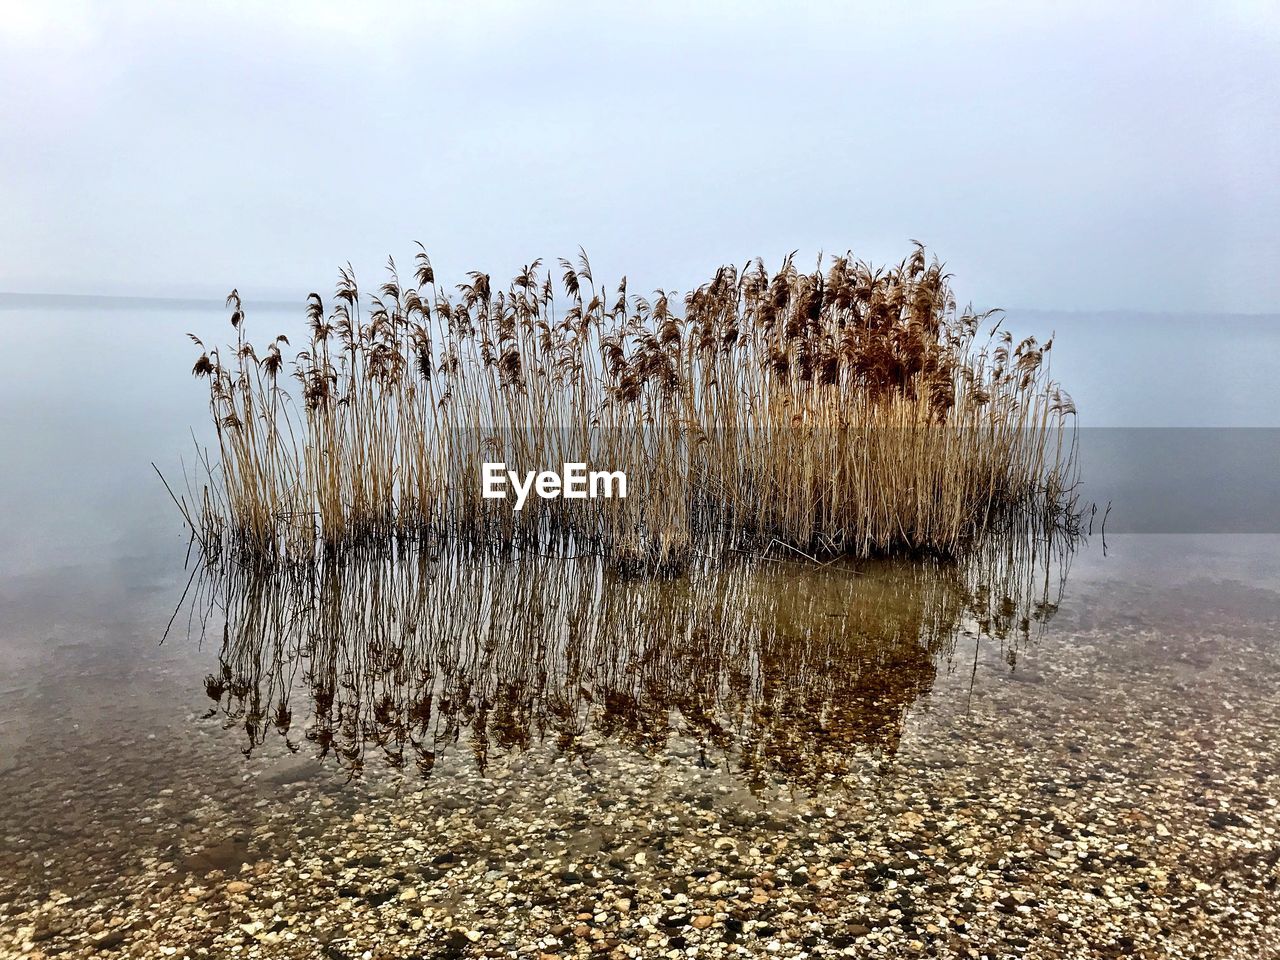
[782,670]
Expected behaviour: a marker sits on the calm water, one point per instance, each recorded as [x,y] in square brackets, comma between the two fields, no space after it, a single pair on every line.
[94,391]
[776,677]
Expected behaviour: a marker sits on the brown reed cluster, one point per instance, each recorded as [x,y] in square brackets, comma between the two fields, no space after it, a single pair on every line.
[850,410]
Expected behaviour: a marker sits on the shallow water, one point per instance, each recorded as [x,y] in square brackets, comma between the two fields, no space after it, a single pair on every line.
[526,746]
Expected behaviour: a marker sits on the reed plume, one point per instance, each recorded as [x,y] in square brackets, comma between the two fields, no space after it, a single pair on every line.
[847,410]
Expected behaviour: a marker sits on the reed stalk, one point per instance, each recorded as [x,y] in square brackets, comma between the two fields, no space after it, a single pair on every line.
[850,410]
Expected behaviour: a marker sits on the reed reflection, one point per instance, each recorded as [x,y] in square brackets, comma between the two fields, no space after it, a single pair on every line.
[784,671]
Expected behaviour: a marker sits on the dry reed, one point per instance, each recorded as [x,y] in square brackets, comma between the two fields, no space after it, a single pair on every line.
[844,411]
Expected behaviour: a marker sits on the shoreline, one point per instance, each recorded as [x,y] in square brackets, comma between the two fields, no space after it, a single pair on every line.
[1114,792]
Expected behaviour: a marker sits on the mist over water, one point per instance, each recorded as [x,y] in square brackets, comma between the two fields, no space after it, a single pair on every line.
[1163,370]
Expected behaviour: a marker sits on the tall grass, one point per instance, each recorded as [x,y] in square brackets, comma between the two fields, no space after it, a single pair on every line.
[848,410]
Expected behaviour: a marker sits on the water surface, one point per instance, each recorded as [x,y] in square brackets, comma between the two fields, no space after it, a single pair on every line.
[529,718]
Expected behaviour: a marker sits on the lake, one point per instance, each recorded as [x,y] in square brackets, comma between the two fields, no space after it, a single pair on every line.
[1052,750]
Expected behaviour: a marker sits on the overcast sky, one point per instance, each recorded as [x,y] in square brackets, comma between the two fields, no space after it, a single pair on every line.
[1061,156]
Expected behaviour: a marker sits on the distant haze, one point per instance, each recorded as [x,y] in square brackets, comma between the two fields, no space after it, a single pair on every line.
[1063,157]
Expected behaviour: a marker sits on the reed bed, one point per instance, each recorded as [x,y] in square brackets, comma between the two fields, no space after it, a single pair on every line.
[848,410]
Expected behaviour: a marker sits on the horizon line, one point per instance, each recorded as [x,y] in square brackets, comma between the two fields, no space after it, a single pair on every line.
[277,301]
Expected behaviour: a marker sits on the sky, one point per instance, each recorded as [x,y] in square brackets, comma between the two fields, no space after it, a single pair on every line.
[1083,156]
